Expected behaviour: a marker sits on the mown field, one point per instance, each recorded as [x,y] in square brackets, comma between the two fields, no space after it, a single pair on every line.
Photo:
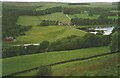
[50,33]
[100,66]
[36,20]
[20,63]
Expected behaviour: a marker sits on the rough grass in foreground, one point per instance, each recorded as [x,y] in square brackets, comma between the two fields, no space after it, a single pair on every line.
[97,66]
[100,66]
[20,63]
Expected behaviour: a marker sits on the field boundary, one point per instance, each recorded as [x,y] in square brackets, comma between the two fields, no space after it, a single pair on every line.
[67,61]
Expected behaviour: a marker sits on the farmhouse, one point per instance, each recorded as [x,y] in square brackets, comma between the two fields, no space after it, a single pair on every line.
[9,39]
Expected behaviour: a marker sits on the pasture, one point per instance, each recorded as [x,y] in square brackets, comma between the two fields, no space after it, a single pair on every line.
[50,33]
[20,63]
[87,67]
[104,65]
[49,5]
[84,16]
[36,20]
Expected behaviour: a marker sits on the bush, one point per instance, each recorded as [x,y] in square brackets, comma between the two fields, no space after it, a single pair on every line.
[44,71]
[31,49]
[44,46]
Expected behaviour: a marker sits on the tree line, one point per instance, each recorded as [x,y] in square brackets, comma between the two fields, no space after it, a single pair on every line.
[34,12]
[49,22]
[89,10]
[78,3]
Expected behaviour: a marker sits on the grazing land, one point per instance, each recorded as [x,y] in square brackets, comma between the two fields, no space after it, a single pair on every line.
[36,20]
[88,67]
[84,16]
[19,63]
[91,67]
[50,33]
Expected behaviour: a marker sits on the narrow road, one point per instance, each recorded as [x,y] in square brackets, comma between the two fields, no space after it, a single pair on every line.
[67,61]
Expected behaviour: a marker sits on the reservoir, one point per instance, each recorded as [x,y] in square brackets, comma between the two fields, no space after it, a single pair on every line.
[106,30]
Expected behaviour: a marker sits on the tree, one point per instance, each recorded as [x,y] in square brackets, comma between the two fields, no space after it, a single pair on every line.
[31,49]
[44,23]
[43,46]
[77,43]
[115,43]
[105,40]
[103,19]
[91,40]
[90,13]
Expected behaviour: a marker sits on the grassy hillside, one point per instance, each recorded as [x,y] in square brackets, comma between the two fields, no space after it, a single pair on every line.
[87,67]
[100,66]
[25,62]
[35,20]
[50,33]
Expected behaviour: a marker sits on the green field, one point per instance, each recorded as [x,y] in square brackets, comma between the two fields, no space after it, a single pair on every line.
[113,17]
[84,16]
[87,67]
[102,4]
[48,5]
[25,62]
[100,66]
[50,33]
[36,20]
[40,33]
